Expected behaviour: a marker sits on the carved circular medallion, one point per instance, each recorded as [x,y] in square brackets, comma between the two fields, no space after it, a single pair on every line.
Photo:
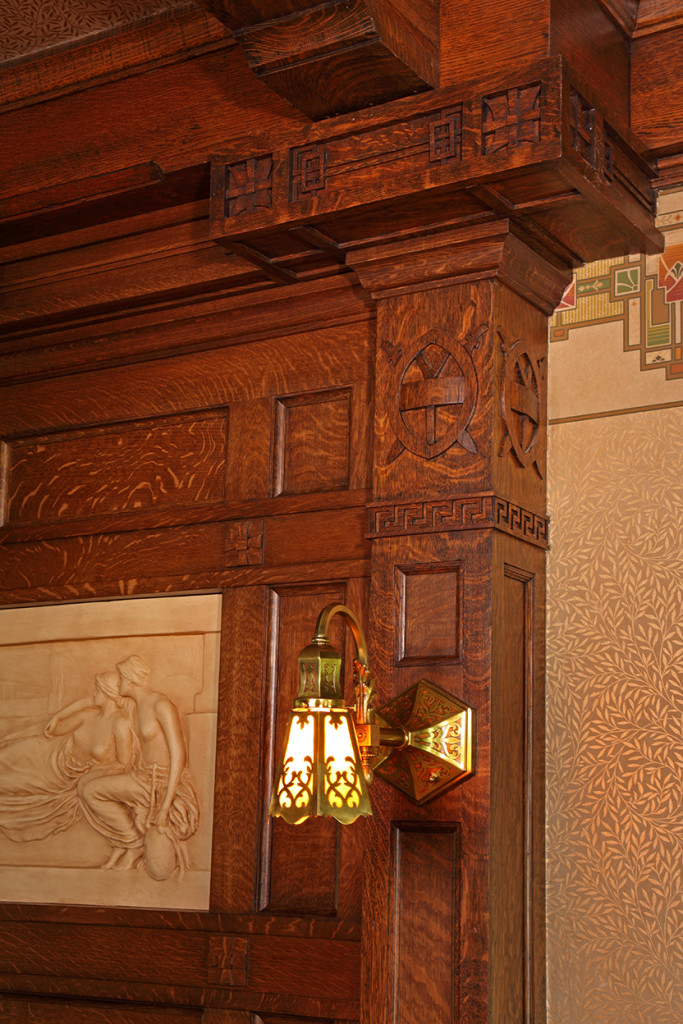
[523,402]
[433,395]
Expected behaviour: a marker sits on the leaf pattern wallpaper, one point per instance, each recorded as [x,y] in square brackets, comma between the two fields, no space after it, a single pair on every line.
[615,720]
[27,26]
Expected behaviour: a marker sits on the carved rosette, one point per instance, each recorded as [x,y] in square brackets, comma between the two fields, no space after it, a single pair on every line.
[523,405]
[434,391]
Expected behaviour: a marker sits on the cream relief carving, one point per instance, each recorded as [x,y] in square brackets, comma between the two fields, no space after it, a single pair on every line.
[107,745]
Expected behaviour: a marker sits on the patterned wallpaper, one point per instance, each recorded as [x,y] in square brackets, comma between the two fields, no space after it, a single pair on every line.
[615,721]
[27,26]
[615,654]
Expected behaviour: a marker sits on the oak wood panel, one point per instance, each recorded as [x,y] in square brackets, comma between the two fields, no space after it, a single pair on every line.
[238,797]
[466,804]
[517,781]
[429,624]
[426,923]
[280,969]
[48,1011]
[302,362]
[178,584]
[124,335]
[173,274]
[188,106]
[337,57]
[180,552]
[657,90]
[161,39]
[305,424]
[597,49]
[524,31]
[179,462]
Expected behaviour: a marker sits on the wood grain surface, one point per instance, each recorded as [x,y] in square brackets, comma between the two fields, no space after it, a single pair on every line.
[298,363]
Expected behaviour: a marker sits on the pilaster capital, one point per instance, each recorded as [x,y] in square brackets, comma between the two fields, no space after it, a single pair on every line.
[492,250]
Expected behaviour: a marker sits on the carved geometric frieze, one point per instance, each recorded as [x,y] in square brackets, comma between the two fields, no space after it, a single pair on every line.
[244,543]
[445,135]
[228,960]
[444,515]
[510,118]
[432,393]
[248,185]
[520,522]
[437,145]
[583,128]
[523,403]
[307,171]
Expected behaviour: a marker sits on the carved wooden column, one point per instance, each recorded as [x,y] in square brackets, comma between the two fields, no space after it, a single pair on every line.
[461,213]
[454,920]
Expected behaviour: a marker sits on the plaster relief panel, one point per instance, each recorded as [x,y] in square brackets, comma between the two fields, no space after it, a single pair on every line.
[107,750]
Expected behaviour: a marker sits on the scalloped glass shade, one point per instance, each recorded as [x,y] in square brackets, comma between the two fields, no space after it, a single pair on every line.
[320,771]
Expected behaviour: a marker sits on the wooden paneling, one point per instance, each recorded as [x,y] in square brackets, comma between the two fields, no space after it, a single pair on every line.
[180,463]
[125,342]
[426,924]
[429,608]
[517,734]
[19,1011]
[304,425]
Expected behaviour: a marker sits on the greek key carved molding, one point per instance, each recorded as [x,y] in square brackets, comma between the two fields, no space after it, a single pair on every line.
[469,512]
[520,522]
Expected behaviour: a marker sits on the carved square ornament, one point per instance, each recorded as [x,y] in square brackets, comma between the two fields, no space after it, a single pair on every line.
[107,750]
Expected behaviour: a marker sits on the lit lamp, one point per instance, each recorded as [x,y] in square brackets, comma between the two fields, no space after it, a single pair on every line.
[422,742]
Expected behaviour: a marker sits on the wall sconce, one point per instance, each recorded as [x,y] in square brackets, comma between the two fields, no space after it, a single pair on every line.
[422,742]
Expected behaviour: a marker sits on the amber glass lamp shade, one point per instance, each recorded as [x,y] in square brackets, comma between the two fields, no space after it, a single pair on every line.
[320,772]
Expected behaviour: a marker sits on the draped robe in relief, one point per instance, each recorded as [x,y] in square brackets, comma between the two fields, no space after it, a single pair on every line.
[39,786]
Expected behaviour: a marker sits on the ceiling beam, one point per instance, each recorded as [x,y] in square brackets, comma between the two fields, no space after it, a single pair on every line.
[339,56]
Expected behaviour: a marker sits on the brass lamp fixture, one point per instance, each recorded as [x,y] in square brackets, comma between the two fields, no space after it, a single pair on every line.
[422,742]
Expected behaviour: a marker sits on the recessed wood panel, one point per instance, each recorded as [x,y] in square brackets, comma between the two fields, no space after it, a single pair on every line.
[299,872]
[312,442]
[429,601]
[49,1011]
[178,462]
[425,923]
[511,774]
